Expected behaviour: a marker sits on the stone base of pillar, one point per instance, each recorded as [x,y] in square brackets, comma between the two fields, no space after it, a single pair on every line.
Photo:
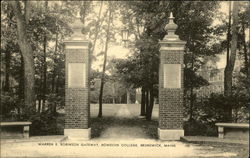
[78,134]
[170,134]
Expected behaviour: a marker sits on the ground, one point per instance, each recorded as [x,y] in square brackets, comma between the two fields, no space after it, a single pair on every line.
[120,133]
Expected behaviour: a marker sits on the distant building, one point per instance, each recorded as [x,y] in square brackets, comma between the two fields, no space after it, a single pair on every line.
[215,77]
[216,82]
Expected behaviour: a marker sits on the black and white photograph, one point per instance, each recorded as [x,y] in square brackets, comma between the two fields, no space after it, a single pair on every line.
[124,79]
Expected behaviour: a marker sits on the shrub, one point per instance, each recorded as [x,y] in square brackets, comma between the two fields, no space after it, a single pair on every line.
[44,123]
[196,127]
[11,107]
[208,111]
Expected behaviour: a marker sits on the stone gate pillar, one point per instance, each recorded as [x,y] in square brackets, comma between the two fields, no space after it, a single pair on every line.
[171,85]
[77,67]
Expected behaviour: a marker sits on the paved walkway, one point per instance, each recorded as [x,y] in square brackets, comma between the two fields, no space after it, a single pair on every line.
[119,140]
[121,131]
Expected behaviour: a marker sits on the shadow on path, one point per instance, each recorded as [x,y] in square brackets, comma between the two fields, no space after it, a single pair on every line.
[123,125]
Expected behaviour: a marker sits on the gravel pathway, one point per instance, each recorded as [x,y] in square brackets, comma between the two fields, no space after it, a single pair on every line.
[123,138]
[121,131]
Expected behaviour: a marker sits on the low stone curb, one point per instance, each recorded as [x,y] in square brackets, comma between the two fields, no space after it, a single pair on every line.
[57,138]
[212,140]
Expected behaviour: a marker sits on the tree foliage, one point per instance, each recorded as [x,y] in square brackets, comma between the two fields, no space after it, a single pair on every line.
[147,23]
[53,22]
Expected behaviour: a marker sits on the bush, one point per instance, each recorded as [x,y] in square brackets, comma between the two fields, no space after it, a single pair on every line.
[11,107]
[44,123]
[208,111]
[213,108]
[55,102]
[195,127]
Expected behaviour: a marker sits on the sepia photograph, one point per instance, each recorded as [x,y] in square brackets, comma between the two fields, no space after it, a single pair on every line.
[124,79]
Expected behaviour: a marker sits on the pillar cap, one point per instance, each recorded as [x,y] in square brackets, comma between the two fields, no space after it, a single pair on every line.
[171,25]
[171,28]
[77,27]
[77,37]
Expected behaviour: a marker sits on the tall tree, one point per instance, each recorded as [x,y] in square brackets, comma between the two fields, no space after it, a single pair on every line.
[97,27]
[9,48]
[196,30]
[44,61]
[7,70]
[105,59]
[231,61]
[244,43]
[143,96]
[27,53]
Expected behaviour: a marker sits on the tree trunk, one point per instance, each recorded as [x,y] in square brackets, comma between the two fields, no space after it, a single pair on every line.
[248,77]
[245,52]
[44,62]
[100,99]
[44,70]
[6,87]
[27,52]
[21,82]
[191,91]
[21,86]
[128,97]
[7,70]
[229,32]
[230,65]
[104,64]
[97,28]
[53,82]
[54,67]
[54,108]
[246,57]
[147,101]
[113,93]
[150,106]
[143,95]
[39,105]
[57,84]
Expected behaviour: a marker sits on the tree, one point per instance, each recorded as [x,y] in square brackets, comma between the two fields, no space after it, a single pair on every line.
[8,50]
[244,45]
[231,61]
[98,25]
[196,30]
[44,61]
[27,53]
[52,21]
[105,59]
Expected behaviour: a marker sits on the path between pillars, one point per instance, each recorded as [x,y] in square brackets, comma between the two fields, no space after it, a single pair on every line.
[120,130]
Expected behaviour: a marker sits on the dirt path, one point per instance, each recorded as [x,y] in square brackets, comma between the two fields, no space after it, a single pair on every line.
[125,136]
[119,130]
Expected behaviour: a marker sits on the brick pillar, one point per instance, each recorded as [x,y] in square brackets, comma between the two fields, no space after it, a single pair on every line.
[171,85]
[77,69]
